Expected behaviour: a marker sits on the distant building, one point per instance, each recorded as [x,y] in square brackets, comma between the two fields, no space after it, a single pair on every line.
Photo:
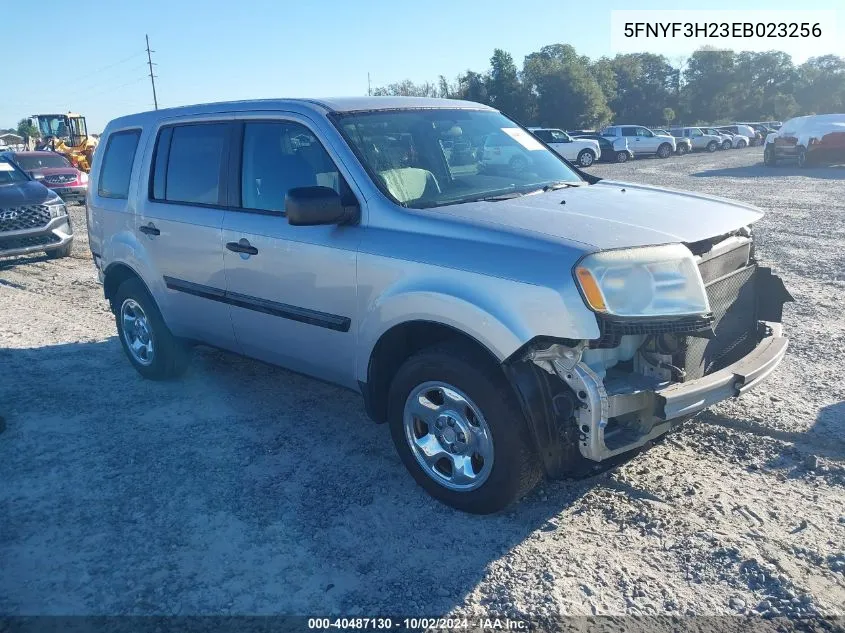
[11,141]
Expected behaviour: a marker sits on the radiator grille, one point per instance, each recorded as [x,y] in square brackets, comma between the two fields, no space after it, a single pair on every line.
[21,218]
[733,300]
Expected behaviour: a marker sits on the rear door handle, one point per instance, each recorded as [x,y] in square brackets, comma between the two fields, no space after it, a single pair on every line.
[149,229]
[242,246]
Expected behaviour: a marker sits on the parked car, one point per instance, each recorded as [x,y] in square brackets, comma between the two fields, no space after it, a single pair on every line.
[612,151]
[683,145]
[754,137]
[738,141]
[726,140]
[642,141]
[32,217]
[808,140]
[54,171]
[698,139]
[581,132]
[504,326]
[501,152]
[581,151]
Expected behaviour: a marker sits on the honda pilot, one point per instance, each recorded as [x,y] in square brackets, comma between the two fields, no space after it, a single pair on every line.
[508,319]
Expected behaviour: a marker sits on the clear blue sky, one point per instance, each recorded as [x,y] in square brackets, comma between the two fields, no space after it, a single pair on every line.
[90,59]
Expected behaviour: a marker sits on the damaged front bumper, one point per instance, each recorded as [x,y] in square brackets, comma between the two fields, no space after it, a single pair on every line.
[578,407]
[653,409]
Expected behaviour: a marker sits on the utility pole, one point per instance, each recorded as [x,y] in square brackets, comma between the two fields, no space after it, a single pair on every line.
[369,86]
[152,76]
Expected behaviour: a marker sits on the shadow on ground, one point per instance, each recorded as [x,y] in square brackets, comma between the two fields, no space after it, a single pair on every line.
[240,488]
[760,170]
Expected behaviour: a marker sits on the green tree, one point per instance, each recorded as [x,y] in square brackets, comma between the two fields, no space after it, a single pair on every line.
[407,88]
[759,79]
[472,86]
[567,93]
[645,84]
[820,85]
[28,131]
[504,88]
[708,93]
[668,116]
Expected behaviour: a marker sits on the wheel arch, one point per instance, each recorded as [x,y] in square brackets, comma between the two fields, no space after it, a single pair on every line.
[114,275]
[396,345]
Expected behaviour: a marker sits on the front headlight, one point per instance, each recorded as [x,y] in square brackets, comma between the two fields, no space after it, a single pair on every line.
[643,282]
[57,209]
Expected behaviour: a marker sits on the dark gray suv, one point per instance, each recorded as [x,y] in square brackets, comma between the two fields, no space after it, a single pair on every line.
[33,218]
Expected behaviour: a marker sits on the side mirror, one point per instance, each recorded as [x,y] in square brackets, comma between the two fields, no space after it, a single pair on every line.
[312,206]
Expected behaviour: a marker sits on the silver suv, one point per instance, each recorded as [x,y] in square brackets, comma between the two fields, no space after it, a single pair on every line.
[506,324]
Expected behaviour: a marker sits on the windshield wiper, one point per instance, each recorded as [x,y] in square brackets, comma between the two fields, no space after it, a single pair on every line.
[558,185]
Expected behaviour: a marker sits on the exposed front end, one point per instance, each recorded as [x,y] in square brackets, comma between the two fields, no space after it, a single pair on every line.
[645,374]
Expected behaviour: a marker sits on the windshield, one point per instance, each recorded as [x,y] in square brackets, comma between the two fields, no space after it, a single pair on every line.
[9,175]
[52,125]
[437,157]
[37,161]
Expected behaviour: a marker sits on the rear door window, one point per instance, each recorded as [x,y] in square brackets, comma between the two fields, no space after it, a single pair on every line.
[189,163]
[629,131]
[117,164]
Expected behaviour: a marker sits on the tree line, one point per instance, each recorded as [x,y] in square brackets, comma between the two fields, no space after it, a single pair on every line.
[557,87]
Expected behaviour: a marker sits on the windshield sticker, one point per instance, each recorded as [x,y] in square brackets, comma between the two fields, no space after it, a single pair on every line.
[6,166]
[523,138]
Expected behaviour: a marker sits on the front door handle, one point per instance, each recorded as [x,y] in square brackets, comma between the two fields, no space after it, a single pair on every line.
[242,246]
[149,229]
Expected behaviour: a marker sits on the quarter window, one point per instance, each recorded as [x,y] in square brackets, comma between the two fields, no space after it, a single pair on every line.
[188,163]
[117,164]
[278,156]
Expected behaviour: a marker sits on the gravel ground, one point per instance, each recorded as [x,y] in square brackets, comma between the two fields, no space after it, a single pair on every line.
[246,489]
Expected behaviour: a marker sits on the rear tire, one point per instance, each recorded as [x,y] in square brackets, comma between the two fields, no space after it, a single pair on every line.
[802,157]
[472,382]
[726,145]
[586,158]
[139,322]
[64,251]
[622,157]
[682,149]
[518,164]
[741,145]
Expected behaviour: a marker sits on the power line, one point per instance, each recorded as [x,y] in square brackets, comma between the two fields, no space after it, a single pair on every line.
[152,76]
[104,68]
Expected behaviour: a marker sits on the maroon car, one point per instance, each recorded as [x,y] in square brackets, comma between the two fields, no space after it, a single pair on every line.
[54,171]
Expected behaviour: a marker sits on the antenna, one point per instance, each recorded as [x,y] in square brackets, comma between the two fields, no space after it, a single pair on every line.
[152,76]
[369,86]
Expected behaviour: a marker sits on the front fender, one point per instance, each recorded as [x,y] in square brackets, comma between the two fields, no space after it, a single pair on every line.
[501,334]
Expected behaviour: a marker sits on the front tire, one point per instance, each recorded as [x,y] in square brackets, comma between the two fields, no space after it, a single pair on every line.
[459,430]
[586,158]
[664,151]
[712,146]
[518,164]
[802,158]
[147,341]
[769,159]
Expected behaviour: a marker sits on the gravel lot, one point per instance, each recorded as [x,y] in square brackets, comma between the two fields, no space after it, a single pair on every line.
[244,488]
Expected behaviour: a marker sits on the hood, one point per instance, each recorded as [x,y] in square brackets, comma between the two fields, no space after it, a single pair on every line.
[612,214]
[29,192]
